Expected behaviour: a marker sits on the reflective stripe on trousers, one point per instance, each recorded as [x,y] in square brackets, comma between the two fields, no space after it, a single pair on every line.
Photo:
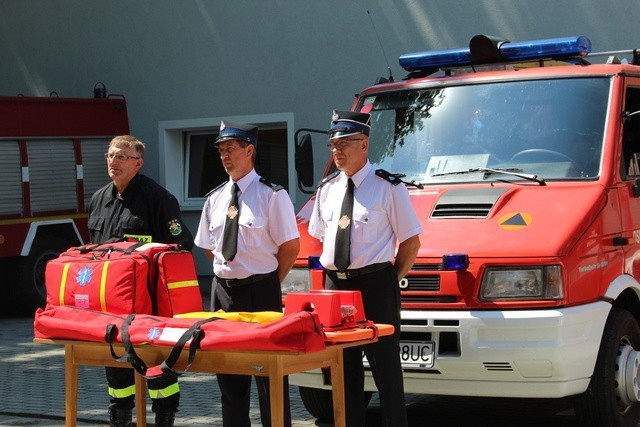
[121,393]
[165,392]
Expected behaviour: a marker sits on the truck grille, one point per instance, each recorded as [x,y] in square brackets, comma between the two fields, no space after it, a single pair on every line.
[423,283]
[426,267]
[437,299]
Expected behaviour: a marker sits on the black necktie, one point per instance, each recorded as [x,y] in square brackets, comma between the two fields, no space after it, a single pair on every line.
[341,257]
[230,236]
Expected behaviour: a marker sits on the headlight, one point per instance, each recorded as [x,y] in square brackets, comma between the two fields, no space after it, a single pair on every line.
[296,281]
[526,283]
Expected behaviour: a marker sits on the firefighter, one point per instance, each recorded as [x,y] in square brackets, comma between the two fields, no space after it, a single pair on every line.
[248,228]
[360,214]
[133,205]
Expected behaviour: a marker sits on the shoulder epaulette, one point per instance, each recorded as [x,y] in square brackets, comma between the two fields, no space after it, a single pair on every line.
[215,189]
[392,178]
[328,178]
[274,187]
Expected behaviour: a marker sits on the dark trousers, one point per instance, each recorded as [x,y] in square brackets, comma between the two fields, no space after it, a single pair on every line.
[263,295]
[381,299]
[120,378]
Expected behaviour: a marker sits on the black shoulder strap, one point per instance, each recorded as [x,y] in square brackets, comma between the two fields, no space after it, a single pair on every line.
[274,187]
[392,178]
[328,178]
[215,189]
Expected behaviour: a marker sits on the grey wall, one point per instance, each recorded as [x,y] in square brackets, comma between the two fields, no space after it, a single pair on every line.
[211,58]
[191,59]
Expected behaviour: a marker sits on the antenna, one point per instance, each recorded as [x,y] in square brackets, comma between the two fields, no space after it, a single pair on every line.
[381,47]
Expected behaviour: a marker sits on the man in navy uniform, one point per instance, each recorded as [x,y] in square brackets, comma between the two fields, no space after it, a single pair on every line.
[133,205]
[249,228]
[360,214]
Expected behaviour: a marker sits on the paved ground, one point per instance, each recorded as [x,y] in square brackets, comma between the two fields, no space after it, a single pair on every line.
[32,387]
[32,394]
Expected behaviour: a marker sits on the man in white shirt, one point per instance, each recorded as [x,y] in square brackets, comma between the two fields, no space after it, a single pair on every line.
[249,227]
[360,214]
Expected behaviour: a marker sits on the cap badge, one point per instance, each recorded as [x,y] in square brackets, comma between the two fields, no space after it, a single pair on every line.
[344,221]
[335,117]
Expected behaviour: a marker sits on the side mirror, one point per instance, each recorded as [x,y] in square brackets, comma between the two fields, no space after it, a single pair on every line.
[304,159]
[636,188]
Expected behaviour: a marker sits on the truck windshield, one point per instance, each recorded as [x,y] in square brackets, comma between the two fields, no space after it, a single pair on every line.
[552,129]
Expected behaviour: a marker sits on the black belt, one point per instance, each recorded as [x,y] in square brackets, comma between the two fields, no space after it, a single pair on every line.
[350,274]
[239,282]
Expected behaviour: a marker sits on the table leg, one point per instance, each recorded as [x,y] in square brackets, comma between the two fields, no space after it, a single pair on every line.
[276,392]
[337,385]
[141,401]
[71,387]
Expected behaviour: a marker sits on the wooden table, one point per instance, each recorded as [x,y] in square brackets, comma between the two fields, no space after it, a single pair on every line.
[274,364]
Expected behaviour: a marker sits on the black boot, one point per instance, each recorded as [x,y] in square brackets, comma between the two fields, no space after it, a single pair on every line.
[119,417]
[165,418]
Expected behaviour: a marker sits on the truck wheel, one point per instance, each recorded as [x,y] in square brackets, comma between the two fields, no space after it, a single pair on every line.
[319,402]
[29,289]
[614,391]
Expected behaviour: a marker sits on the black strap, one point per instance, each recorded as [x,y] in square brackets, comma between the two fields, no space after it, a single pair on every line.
[133,247]
[130,356]
[195,334]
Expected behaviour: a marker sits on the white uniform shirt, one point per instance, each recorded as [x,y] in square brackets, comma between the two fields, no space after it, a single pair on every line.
[266,221]
[382,216]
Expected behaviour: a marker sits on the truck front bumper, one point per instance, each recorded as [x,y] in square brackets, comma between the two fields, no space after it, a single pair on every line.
[512,353]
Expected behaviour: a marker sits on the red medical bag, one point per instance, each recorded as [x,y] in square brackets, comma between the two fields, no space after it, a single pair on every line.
[125,277]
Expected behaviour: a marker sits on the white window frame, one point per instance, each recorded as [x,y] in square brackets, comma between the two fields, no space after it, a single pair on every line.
[172,151]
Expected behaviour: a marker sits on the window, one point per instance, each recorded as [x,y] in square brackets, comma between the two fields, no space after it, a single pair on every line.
[631,135]
[187,146]
[205,170]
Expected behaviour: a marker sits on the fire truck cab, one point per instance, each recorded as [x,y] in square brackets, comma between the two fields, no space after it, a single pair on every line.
[522,161]
[51,161]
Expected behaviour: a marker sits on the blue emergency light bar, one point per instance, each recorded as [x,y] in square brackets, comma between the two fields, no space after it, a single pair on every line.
[505,52]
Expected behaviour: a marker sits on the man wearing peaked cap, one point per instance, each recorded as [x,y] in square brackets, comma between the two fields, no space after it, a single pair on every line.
[348,123]
[360,215]
[230,131]
[248,229]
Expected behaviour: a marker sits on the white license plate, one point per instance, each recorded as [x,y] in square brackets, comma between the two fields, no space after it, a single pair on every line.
[417,353]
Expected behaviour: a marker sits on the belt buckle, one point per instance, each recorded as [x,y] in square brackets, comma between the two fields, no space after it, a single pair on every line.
[342,275]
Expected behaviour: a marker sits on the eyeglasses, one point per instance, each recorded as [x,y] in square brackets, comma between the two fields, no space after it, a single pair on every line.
[340,145]
[119,157]
[228,150]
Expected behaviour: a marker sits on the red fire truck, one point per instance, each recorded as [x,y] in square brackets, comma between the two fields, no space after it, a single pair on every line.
[51,161]
[522,162]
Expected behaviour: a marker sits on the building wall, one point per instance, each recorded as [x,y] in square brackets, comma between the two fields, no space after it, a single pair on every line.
[193,60]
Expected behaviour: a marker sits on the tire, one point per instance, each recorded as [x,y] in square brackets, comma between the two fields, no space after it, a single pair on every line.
[319,402]
[30,291]
[606,402]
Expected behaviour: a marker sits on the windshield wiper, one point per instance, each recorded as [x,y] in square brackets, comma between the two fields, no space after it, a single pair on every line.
[393,177]
[489,171]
